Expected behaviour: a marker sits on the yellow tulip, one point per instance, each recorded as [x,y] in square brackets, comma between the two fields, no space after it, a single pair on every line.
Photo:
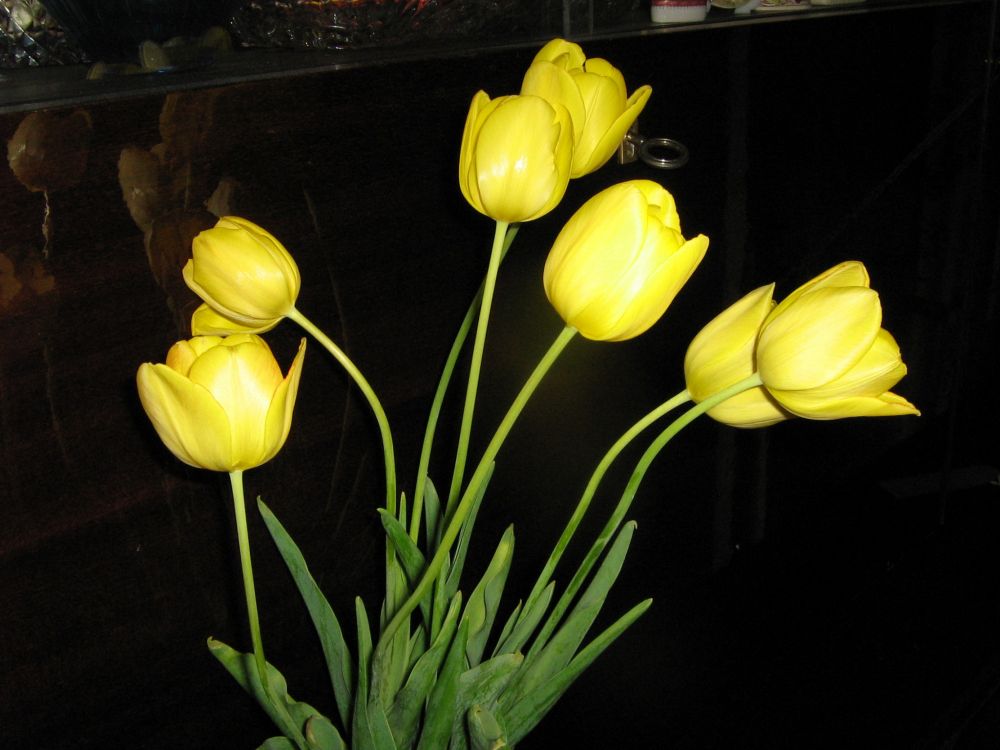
[244,274]
[822,353]
[722,354]
[619,261]
[594,93]
[515,158]
[221,403]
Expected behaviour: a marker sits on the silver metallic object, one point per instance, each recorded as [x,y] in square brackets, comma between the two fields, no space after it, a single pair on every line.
[659,153]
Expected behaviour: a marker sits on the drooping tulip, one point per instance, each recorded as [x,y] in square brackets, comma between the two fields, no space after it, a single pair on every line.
[619,261]
[722,354]
[515,159]
[593,92]
[823,354]
[221,403]
[244,274]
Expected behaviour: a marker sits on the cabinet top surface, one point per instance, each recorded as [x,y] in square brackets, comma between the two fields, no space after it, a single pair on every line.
[31,88]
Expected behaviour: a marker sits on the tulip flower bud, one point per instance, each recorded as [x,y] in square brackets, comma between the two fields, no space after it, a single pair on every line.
[619,261]
[515,158]
[722,354]
[593,92]
[221,403]
[244,274]
[822,353]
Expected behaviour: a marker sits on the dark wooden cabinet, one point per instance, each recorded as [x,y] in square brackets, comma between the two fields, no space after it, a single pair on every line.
[815,584]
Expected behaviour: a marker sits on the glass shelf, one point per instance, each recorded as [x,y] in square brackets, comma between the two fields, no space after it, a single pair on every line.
[60,86]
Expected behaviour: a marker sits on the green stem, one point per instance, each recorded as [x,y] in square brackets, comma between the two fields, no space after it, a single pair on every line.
[629,495]
[369,394]
[436,404]
[478,476]
[588,494]
[236,480]
[477,358]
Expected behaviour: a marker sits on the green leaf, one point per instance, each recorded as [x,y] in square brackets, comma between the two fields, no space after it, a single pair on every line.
[322,735]
[379,723]
[277,743]
[541,666]
[361,732]
[521,630]
[439,715]
[404,714]
[485,730]
[483,683]
[485,598]
[287,714]
[410,556]
[432,514]
[393,658]
[524,715]
[335,650]
[505,631]
[464,537]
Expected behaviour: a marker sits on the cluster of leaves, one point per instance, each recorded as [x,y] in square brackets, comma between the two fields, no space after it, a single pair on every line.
[435,682]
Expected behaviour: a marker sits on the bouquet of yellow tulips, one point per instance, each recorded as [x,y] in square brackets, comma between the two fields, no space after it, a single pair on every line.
[441,666]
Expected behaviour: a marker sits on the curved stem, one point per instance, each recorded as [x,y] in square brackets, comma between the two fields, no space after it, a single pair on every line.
[477,358]
[369,394]
[420,485]
[239,504]
[588,494]
[629,495]
[478,477]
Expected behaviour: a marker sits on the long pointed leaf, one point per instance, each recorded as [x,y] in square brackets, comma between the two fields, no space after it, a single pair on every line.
[379,724]
[287,714]
[525,625]
[485,598]
[405,712]
[523,716]
[486,731]
[361,732]
[556,654]
[335,650]
[432,515]
[277,743]
[322,735]
[482,685]
[438,717]
[410,556]
[464,537]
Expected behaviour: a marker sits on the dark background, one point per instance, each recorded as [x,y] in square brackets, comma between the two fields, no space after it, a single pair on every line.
[815,584]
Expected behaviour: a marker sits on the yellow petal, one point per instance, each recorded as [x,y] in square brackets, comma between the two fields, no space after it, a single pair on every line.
[206,321]
[601,238]
[569,54]
[243,378]
[182,355]
[466,161]
[556,86]
[848,273]
[750,410]
[825,333]
[807,405]
[604,147]
[189,421]
[279,416]
[658,288]
[722,353]
[243,272]
[877,372]
[522,158]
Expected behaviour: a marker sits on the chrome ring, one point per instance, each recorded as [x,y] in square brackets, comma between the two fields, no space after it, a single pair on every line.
[669,144]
